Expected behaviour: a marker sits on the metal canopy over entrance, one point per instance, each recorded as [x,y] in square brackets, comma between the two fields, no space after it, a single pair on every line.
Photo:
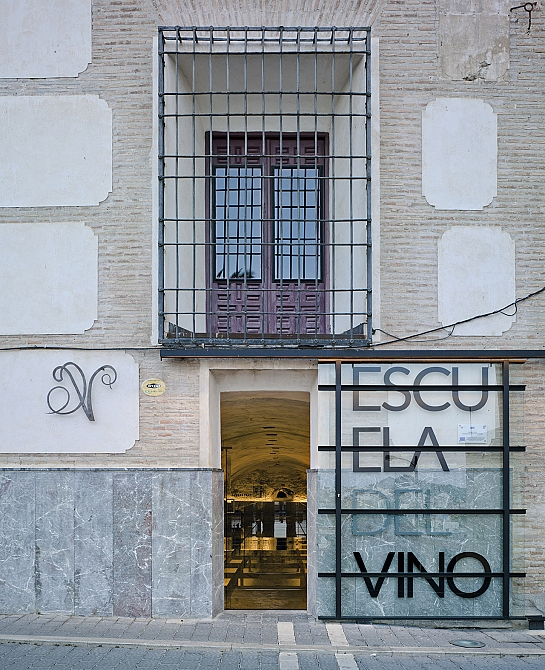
[265,457]
[419,490]
[264,186]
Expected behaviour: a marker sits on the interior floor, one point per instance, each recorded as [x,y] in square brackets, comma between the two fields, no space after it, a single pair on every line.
[263,571]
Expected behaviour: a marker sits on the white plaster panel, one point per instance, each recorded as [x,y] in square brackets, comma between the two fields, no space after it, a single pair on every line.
[459,153]
[48,278]
[476,275]
[27,425]
[55,150]
[45,39]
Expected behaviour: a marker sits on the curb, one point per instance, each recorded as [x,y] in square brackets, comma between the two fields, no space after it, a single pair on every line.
[234,646]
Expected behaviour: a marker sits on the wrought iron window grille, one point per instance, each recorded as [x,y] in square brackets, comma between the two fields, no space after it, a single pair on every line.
[264,187]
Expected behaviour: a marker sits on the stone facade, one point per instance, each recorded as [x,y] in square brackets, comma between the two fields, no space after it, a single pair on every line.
[50,496]
[111,542]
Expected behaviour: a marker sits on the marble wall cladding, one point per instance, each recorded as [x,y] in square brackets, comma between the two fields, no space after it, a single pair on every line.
[54,548]
[132,520]
[472,542]
[200,568]
[17,523]
[312,513]
[171,544]
[217,542]
[187,543]
[110,542]
[325,597]
[93,543]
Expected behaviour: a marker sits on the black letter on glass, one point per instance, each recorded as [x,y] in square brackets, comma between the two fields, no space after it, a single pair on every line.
[486,583]
[438,587]
[418,379]
[401,580]
[356,394]
[456,394]
[428,432]
[405,394]
[374,590]
[356,467]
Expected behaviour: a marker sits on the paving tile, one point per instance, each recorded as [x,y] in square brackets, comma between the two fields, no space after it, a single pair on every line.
[532,663]
[386,636]
[327,661]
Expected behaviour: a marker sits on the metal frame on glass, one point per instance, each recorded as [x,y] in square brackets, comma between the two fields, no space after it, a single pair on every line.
[505,512]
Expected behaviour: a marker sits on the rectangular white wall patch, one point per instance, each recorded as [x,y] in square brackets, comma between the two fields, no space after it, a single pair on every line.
[48,278]
[476,275]
[42,412]
[459,154]
[55,150]
[45,39]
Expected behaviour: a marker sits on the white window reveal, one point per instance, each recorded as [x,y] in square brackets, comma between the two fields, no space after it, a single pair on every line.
[265,206]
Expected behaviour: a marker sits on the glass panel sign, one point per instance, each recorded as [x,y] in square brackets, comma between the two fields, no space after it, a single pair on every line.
[414,491]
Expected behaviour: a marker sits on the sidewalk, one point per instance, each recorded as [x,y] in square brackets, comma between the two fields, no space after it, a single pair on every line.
[280,631]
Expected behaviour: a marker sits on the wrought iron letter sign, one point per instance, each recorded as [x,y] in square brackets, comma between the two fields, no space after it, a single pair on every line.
[108,378]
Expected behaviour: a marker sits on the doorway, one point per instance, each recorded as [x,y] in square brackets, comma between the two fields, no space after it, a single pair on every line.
[265,455]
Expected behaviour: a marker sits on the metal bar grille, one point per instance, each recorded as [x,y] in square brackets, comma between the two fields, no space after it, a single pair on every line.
[264,198]
[405,573]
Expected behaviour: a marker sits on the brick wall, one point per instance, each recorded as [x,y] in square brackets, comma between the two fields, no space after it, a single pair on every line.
[410,78]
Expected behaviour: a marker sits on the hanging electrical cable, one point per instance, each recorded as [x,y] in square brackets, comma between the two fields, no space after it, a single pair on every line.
[452,326]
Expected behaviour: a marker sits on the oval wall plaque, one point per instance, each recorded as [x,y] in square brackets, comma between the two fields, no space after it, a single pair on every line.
[154,387]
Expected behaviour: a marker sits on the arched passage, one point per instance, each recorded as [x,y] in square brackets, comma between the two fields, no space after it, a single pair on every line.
[265,455]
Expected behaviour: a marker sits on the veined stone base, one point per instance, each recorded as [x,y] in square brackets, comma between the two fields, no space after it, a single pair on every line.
[135,543]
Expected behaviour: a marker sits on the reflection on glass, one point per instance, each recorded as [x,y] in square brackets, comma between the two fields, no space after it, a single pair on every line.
[326,373]
[426,488]
[297,230]
[417,464]
[237,215]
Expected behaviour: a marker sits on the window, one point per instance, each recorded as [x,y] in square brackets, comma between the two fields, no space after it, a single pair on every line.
[264,172]
[267,204]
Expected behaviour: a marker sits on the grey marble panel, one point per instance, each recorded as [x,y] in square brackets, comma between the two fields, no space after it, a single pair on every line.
[81,542]
[427,536]
[54,548]
[325,543]
[201,543]
[93,543]
[132,518]
[312,572]
[217,543]
[17,507]
[325,488]
[171,544]
[325,596]
[187,543]
[467,488]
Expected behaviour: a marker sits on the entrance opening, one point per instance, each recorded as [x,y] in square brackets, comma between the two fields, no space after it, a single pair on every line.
[265,455]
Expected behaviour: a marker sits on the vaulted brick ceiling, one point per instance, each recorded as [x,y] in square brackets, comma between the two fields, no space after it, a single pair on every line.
[269,438]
